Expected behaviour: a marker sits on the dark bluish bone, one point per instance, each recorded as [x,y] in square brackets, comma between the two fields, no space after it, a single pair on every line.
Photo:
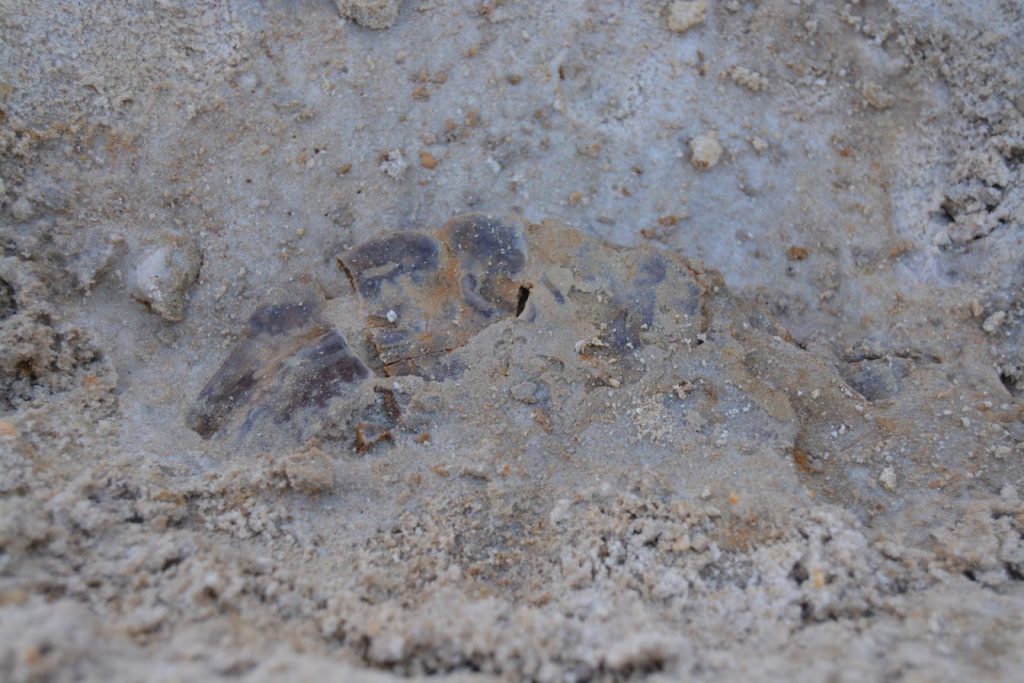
[278,319]
[288,360]
[487,243]
[386,259]
[621,336]
[491,253]
[323,370]
[229,388]
[424,296]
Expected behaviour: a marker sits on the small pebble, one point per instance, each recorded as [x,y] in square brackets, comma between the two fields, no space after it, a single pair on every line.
[163,277]
[427,160]
[994,322]
[888,479]
[372,14]
[393,164]
[684,15]
[22,209]
[705,151]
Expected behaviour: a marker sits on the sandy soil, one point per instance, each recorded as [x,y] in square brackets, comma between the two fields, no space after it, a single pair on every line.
[555,341]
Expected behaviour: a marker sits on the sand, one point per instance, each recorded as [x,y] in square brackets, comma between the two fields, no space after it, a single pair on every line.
[738,397]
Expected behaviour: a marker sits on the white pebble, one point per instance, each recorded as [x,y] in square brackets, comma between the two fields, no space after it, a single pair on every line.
[163,277]
[993,322]
[705,151]
[685,14]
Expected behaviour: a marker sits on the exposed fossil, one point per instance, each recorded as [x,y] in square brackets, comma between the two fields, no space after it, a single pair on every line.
[599,345]
[421,296]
